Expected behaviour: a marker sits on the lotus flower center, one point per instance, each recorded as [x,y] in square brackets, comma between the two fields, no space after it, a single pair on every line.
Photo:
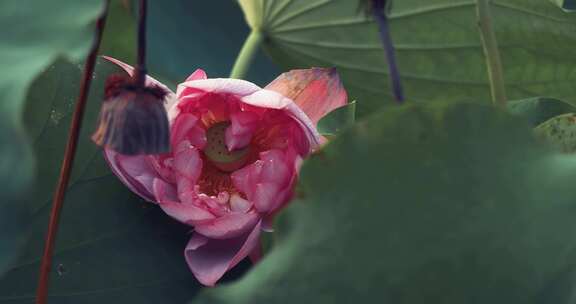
[217,152]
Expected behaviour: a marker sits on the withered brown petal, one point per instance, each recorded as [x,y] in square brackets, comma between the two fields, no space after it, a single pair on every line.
[133,122]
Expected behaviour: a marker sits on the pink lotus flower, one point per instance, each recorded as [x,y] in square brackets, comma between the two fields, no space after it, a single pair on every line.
[235,155]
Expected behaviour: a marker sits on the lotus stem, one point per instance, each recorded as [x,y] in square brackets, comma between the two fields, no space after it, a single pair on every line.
[140,70]
[67,162]
[491,53]
[246,55]
[378,10]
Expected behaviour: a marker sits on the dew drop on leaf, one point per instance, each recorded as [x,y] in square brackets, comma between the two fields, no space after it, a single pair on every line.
[55,117]
[61,270]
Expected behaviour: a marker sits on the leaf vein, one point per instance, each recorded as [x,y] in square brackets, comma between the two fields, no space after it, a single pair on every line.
[301,12]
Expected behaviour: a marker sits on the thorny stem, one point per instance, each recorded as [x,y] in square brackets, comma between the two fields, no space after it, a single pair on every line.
[246,55]
[491,52]
[59,194]
[140,70]
[378,10]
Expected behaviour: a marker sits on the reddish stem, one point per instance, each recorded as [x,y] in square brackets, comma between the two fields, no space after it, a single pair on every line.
[140,70]
[58,199]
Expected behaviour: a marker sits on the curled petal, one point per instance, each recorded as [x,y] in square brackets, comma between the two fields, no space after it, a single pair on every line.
[267,99]
[245,178]
[186,189]
[276,168]
[213,204]
[134,172]
[236,142]
[266,195]
[184,213]
[188,214]
[181,126]
[164,192]
[209,259]
[311,132]
[274,100]
[230,225]
[267,182]
[317,91]
[185,127]
[196,242]
[217,85]
[163,164]
[187,162]
[197,75]
[241,129]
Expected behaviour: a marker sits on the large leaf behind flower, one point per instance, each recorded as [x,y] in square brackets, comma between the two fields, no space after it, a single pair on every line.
[424,204]
[438,46]
[32,35]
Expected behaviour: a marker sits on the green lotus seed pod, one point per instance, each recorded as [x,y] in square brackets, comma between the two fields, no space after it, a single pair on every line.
[217,152]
